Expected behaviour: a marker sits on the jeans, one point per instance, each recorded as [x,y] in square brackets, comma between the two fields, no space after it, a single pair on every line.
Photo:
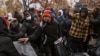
[50,50]
[77,44]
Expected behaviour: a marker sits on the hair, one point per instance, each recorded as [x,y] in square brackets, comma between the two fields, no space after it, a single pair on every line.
[31,9]
[16,12]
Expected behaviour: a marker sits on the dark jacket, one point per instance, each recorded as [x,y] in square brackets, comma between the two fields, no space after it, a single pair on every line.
[50,30]
[96,23]
[64,22]
[18,17]
[6,45]
[67,26]
[26,30]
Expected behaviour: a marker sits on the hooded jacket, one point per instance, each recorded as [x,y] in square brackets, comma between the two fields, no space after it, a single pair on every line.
[61,17]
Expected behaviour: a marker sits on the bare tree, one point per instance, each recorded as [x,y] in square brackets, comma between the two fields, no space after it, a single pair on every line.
[54,3]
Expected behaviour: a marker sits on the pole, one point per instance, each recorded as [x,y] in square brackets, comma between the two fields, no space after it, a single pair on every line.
[28,3]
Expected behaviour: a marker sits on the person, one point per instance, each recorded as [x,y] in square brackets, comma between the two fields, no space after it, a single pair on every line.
[48,30]
[60,16]
[51,34]
[79,30]
[96,22]
[6,44]
[64,27]
[18,16]
[33,13]
[15,27]
[28,27]
[61,21]
[65,24]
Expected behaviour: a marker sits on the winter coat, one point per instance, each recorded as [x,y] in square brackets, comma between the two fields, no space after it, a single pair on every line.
[67,26]
[50,31]
[61,17]
[6,45]
[96,23]
[26,29]
[14,30]
[65,23]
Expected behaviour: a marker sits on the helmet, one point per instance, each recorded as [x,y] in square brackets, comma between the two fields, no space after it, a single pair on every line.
[83,9]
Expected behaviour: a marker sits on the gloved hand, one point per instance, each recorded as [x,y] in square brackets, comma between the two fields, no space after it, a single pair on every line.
[59,40]
[41,24]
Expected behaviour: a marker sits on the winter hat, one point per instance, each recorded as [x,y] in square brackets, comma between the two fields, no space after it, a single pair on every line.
[47,13]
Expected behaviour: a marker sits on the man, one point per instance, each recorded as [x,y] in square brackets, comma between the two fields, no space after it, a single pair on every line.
[14,28]
[18,16]
[79,30]
[6,45]
[28,27]
[49,30]
[65,24]
[33,13]
[96,23]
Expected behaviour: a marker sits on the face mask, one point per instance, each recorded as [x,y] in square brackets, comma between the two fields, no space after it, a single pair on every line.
[28,18]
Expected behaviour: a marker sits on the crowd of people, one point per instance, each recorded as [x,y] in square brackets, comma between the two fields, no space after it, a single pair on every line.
[50,32]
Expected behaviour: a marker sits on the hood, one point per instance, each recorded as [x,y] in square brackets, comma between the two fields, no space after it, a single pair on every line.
[61,11]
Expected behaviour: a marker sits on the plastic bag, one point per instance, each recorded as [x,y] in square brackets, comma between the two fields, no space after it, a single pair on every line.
[24,49]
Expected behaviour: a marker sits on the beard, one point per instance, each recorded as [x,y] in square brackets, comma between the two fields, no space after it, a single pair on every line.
[15,27]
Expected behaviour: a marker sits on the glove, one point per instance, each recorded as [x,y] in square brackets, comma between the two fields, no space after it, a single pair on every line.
[41,24]
[58,40]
